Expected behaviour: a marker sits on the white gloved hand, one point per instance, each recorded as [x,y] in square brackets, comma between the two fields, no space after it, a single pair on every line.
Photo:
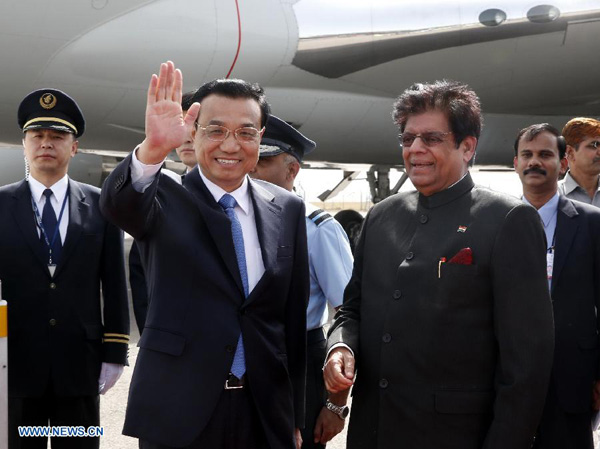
[109,374]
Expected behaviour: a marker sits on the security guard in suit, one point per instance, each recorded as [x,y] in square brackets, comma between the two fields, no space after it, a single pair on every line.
[57,253]
[572,258]
[330,262]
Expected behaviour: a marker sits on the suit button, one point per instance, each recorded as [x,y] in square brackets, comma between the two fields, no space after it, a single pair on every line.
[53,286]
[409,255]
[52,322]
[397,294]
[386,338]
[383,383]
[229,348]
[423,219]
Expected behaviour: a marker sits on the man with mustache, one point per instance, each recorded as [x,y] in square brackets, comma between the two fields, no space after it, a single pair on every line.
[573,258]
[447,313]
[583,153]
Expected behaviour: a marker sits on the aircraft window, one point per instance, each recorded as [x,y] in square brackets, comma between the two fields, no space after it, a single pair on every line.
[492,17]
[543,14]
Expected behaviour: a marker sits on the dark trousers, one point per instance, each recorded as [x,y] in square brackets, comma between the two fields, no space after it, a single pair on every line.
[315,386]
[561,430]
[233,425]
[50,410]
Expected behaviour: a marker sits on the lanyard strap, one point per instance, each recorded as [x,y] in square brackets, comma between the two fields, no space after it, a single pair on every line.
[551,248]
[38,220]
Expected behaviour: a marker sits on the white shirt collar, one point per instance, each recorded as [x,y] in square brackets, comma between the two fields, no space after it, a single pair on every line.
[570,183]
[240,194]
[548,210]
[59,189]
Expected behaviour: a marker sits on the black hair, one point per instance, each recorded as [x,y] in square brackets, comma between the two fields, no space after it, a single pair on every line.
[235,88]
[532,131]
[457,100]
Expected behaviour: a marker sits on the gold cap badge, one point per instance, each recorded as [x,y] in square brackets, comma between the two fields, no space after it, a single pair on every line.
[47,101]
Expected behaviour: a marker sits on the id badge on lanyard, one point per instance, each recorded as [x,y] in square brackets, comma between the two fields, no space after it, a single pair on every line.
[550,262]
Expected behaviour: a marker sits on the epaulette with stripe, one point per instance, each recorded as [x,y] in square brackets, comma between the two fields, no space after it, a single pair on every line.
[115,338]
[319,216]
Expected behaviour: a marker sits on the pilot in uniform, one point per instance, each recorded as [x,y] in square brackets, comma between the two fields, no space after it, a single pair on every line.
[66,341]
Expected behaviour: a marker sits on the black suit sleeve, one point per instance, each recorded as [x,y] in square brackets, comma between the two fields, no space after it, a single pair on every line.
[114,293]
[296,319]
[524,328]
[121,204]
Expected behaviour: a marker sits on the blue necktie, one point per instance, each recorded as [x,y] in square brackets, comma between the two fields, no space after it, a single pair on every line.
[49,223]
[228,203]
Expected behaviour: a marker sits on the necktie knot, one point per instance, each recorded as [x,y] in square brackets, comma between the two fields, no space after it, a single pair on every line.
[47,194]
[227,202]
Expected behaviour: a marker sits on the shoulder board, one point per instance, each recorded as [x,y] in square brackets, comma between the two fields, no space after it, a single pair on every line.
[319,216]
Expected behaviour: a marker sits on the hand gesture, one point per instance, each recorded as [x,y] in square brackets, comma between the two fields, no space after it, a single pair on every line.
[339,370]
[166,128]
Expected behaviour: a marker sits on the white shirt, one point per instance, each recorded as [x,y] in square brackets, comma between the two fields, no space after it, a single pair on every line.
[142,176]
[59,190]
[549,214]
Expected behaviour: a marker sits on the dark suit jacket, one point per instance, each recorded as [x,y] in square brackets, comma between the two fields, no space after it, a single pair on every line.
[58,331]
[449,356]
[197,307]
[576,301]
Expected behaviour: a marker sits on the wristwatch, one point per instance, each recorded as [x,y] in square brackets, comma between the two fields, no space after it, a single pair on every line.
[341,410]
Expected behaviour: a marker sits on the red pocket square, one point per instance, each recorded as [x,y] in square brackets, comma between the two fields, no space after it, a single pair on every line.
[463,257]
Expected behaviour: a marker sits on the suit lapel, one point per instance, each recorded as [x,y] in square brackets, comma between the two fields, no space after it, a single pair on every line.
[217,223]
[566,228]
[78,214]
[268,225]
[25,221]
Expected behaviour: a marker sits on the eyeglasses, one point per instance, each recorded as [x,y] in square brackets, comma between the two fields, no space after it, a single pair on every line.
[429,139]
[218,133]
